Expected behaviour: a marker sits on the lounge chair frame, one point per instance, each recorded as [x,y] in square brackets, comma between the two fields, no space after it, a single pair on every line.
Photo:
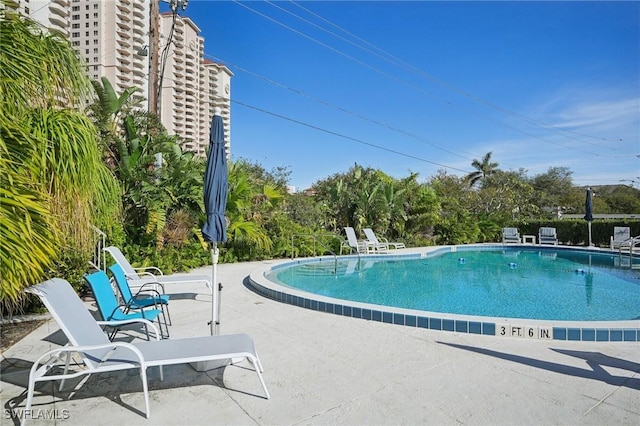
[137,277]
[100,355]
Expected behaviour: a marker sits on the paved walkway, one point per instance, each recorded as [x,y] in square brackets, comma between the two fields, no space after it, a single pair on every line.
[327,369]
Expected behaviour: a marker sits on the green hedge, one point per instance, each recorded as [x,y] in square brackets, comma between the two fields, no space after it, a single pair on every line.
[575,231]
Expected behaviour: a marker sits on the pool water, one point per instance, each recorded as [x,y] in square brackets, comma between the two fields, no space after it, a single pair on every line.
[535,284]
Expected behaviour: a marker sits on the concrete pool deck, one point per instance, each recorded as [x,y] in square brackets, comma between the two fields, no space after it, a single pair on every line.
[329,369]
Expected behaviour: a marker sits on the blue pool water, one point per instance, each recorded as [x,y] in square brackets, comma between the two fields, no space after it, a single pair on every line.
[511,283]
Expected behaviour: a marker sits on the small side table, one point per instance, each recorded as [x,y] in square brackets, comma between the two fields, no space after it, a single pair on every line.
[529,239]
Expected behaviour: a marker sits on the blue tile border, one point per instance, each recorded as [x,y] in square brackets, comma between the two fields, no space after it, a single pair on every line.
[585,334]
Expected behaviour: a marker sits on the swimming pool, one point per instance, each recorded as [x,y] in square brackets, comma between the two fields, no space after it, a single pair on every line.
[484,289]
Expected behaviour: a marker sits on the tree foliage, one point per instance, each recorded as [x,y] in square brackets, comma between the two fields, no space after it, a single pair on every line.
[54,184]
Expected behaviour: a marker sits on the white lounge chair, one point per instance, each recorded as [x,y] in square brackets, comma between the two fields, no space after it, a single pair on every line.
[138,277]
[99,355]
[374,240]
[620,235]
[510,235]
[359,246]
[547,235]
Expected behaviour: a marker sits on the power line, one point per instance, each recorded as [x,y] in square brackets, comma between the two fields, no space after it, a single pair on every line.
[340,135]
[415,87]
[395,60]
[338,108]
[420,89]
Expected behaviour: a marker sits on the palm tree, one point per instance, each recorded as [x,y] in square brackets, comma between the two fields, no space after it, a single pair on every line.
[54,184]
[483,168]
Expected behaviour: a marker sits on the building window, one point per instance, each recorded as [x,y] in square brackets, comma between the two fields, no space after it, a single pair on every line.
[95,23]
[95,59]
[95,41]
[86,51]
[75,34]
[75,8]
[26,10]
[75,26]
[95,15]
[75,17]
[95,33]
[95,6]
[76,43]
[95,68]
[86,43]
[86,34]
[87,16]
[86,7]
[95,50]
[86,25]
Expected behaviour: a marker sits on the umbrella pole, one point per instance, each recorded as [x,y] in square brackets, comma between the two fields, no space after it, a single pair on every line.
[214,289]
[589,226]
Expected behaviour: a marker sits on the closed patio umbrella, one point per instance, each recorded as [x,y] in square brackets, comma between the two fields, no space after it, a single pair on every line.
[588,208]
[216,185]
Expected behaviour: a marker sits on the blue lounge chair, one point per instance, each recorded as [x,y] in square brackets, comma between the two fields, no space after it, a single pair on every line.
[146,297]
[110,310]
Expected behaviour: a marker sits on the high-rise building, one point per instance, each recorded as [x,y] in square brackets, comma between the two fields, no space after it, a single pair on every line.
[191,86]
[113,38]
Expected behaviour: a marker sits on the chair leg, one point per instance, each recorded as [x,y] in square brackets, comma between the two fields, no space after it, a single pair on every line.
[66,368]
[145,388]
[168,313]
[257,366]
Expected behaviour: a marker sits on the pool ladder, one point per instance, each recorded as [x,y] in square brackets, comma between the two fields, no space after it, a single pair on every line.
[627,253]
[316,241]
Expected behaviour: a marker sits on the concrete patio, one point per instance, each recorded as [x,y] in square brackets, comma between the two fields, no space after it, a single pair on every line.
[327,369]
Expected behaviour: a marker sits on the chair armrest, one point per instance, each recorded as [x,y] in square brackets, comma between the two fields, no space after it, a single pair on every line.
[132,321]
[78,349]
[146,270]
[153,284]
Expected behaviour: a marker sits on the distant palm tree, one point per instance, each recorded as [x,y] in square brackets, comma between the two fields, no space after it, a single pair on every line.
[483,168]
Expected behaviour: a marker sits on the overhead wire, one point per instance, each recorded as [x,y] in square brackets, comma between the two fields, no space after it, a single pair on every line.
[334,133]
[398,61]
[350,57]
[411,85]
[337,107]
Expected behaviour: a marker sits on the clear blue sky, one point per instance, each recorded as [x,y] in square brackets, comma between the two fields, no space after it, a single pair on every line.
[422,86]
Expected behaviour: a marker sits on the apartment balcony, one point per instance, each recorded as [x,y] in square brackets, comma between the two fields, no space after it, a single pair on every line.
[124,7]
[58,22]
[122,33]
[60,8]
[125,24]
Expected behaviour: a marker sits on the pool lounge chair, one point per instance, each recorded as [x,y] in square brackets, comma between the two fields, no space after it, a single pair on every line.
[147,296]
[99,355]
[547,235]
[620,235]
[372,238]
[110,310]
[137,277]
[510,235]
[360,247]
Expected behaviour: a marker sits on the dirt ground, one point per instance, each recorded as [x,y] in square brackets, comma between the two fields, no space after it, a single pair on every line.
[13,332]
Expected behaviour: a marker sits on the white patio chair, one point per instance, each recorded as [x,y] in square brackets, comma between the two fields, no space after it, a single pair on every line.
[381,241]
[138,277]
[355,244]
[620,235]
[99,355]
[547,235]
[510,235]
